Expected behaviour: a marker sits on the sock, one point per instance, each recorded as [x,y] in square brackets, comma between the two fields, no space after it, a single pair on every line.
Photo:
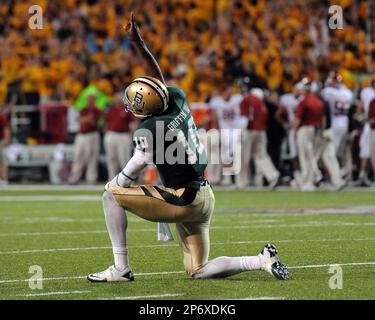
[116,221]
[222,267]
[362,175]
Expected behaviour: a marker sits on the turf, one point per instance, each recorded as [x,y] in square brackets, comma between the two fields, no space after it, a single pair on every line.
[309,241]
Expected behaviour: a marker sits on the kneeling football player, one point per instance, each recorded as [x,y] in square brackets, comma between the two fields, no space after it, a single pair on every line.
[167,129]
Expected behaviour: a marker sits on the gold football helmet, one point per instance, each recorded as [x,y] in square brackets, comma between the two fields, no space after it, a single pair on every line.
[146,96]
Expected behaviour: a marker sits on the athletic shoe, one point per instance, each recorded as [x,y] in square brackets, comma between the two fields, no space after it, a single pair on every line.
[318,181]
[341,186]
[111,274]
[272,264]
[308,187]
[274,183]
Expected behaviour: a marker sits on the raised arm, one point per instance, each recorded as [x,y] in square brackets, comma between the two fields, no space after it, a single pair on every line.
[139,45]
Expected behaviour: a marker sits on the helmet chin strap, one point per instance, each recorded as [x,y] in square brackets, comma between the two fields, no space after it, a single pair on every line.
[141,116]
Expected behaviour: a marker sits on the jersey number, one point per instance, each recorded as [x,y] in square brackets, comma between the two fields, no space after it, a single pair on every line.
[341,108]
[193,145]
[141,142]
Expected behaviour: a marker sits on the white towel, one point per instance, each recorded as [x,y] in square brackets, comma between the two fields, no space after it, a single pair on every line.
[164,232]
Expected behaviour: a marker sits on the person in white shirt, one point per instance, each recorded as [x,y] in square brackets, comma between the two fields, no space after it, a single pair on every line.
[230,122]
[340,99]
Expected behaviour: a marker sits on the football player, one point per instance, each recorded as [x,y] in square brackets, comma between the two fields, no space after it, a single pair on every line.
[227,109]
[185,199]
[340,99]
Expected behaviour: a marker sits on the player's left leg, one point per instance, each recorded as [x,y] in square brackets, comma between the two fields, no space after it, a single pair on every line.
[195,241]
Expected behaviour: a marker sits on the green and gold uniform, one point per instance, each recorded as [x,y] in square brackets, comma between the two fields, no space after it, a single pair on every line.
[173,140]
[185,197]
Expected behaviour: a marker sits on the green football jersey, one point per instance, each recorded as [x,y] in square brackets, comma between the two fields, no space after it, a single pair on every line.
[173,140]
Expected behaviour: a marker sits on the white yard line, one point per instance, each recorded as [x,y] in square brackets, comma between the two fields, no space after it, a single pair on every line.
[12,252]
[313,224]
[51,293]
[164,295]
[177,272]
[248,225]
[48,233]
[54,198]
[52,250]
[44,279]
[332,264]
[260,298]
[84,277]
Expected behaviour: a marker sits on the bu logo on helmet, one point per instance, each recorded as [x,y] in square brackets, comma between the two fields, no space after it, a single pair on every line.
[138,98]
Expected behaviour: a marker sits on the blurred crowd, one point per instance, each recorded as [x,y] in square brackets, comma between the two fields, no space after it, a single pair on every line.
[200,44]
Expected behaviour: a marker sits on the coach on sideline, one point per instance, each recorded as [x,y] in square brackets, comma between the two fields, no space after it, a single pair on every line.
[309,124]
[118,137]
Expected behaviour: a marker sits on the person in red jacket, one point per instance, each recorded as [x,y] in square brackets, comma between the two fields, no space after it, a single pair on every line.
[309,124]
[254,140]
[87,144]
[4,141]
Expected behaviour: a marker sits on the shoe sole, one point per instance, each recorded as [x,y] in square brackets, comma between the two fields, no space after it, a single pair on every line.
[95,280]
[105,280]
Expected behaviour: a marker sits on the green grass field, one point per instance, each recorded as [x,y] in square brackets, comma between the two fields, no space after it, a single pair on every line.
[64,233]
